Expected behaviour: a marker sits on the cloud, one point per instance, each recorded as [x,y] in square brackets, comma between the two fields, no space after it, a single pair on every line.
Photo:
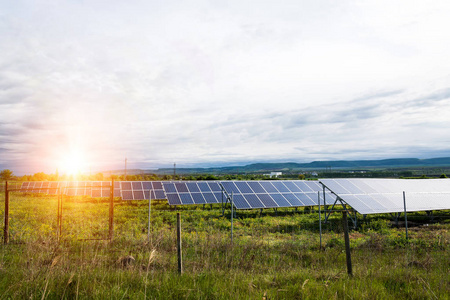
[204,82]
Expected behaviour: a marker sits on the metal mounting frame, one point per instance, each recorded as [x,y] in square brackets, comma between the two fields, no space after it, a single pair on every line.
[344,204]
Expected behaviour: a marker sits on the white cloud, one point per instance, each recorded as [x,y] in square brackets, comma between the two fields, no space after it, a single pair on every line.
[203,82]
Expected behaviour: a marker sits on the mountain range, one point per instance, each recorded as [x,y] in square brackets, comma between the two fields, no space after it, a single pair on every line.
[315,165]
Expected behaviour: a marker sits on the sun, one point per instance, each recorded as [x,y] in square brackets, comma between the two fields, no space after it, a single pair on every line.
[73,163]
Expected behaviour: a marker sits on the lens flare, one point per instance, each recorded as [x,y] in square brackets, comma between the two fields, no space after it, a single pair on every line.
[74,163]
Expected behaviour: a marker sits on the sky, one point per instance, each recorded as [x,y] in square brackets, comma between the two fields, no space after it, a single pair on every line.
[86,84]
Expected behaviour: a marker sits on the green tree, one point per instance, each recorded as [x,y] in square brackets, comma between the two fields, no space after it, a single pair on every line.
[443,175]
[301,176]
[40,176]
[6,174]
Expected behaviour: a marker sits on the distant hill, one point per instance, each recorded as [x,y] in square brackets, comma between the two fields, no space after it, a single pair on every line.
[315,165]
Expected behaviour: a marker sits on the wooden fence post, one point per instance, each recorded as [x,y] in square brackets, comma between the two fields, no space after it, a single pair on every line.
[6,228]
[347,243]
[111,211]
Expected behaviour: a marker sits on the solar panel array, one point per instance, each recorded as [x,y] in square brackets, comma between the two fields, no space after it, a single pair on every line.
[273,194]
[246,194]
[367,196]
[71,188]
[127,190]
[372,196]
[193,192]
[141,190]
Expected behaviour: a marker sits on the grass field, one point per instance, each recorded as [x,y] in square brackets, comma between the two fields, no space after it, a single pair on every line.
[275,255]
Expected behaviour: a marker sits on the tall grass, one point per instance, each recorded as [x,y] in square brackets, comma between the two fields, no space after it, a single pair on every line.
[274,255]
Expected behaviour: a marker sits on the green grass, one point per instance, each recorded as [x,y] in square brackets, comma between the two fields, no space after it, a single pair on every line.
[275,255]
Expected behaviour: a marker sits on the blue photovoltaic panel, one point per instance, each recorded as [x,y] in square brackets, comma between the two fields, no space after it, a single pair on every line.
[292,187]
[157,185]
[275,193]
[204,187]
[126,190]
[147,185]
[210,198]
[281,187]
[173,199]
[305,186]
[280,200]
[193,187]
[138,195]
[169,187]
[192,192]
[306,199]
[159,194]
[215,187]
[127,195]
[125,185]
[221,198]
[186,198]
[269,187]
[181,187]
[117,189]
[243,187]
[198,198]
[240,202]
[256,187]
[141,190]
[293,200]
[267,200]
[157,188]
[230,187]
[252,200]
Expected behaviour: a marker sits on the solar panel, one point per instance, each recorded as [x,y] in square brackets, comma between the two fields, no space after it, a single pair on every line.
[53,188]
[371,196]
[141,190]
[273,194]
[100,189]
[192,192]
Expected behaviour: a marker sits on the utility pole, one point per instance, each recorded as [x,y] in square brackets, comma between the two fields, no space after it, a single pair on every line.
[125,168]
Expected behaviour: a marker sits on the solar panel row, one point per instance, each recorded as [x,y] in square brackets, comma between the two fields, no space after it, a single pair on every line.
[71,188]
[140,190]
[273,194]
[367,196]
[193,192]
[374,196]
[127,190]
[246,194]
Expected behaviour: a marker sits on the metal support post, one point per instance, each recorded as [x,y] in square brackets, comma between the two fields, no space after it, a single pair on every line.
[223,209]
[231,217]
[320,220]
[179,252]
[406,218]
